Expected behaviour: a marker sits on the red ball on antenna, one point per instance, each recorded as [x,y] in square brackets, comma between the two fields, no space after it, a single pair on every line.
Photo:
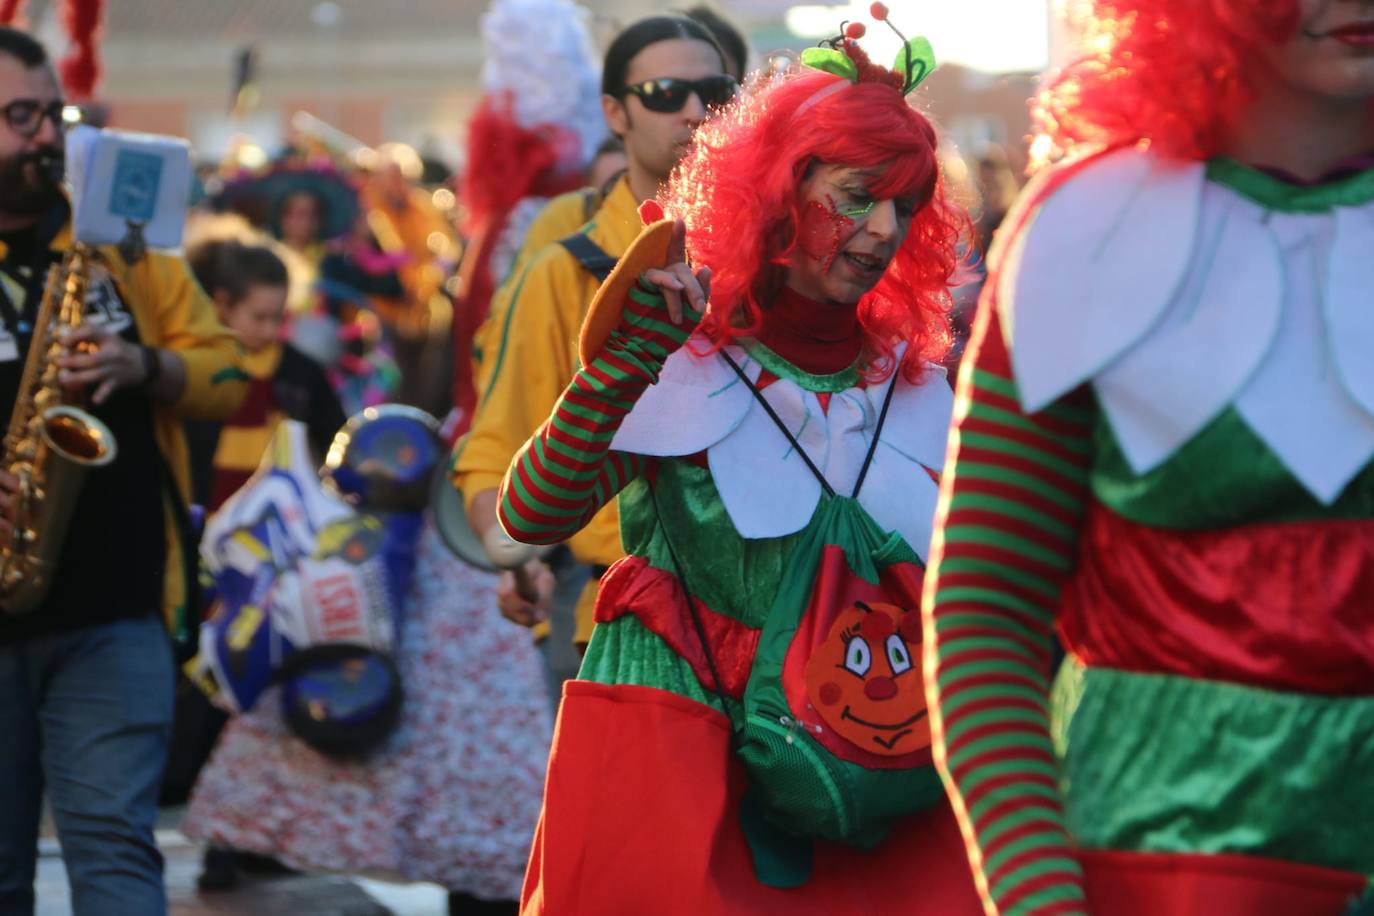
[651,212]
[878,11]
[855,30]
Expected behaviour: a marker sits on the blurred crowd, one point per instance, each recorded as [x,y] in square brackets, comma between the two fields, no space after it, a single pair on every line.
[440,310]
[722,495]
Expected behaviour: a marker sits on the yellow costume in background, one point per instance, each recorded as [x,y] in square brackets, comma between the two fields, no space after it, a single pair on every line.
[535,319]
[561,217]
[418,229]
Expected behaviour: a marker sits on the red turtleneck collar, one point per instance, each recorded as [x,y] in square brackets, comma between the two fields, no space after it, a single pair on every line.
[816,337]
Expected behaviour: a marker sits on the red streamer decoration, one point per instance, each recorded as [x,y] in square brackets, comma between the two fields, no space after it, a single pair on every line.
[80,69]
[506,163]
[11,11]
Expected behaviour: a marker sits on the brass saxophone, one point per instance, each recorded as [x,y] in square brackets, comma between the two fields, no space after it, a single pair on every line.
[50,444]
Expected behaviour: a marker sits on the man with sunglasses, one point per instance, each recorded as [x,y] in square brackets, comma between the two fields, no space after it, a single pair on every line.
[659,128]
[86,678]
[659,78]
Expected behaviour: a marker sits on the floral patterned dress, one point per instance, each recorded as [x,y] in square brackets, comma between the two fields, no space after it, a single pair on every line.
[452,798]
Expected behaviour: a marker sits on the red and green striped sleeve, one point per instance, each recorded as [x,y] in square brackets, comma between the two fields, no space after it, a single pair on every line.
[1010,508]
[567,471]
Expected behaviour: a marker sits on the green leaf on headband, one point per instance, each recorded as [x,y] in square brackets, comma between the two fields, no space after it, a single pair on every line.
[830,61]
[916,59]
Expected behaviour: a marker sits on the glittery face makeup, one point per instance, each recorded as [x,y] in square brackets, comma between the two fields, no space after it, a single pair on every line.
[846,237]
[823,230]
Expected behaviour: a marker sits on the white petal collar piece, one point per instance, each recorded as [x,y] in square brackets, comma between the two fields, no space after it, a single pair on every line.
[695,403]
[764,484]
[1108,249]
[1350,302]
[1211,337]
[1300,401]
[1268,312]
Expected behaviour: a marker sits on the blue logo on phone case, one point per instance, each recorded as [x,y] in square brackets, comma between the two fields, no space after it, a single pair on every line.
[137,177]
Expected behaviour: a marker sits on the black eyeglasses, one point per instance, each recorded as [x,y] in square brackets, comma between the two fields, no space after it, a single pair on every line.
[25,116]
[669,94]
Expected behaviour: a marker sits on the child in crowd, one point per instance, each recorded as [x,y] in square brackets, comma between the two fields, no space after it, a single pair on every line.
[248,284]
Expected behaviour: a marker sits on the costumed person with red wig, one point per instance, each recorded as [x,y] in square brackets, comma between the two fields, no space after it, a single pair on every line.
[1162,449]
[535,129]
[748,733]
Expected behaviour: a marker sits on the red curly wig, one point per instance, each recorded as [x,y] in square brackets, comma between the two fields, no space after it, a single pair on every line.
[738,192]
[1168,71]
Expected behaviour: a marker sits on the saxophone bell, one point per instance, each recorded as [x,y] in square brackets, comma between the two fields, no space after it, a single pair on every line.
[50,445]
[72,434]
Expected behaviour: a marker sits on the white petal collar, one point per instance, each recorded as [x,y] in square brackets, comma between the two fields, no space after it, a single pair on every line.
[1095,268]
[1177,298]
[765,486]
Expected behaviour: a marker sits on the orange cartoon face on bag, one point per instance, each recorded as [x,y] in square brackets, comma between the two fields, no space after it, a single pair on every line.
[865,680]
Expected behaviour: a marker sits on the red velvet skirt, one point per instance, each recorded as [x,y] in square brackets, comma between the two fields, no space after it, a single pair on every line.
[641,815]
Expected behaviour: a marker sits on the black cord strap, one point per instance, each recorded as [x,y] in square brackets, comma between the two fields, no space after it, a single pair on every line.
[678,570]
[877,433]
[773,415]
[782,427]
[697,625]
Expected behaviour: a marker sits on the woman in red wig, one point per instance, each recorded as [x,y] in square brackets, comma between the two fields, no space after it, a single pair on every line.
[1162,448]
[749,733]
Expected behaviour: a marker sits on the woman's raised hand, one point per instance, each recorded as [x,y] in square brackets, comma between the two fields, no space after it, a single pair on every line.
[685,291]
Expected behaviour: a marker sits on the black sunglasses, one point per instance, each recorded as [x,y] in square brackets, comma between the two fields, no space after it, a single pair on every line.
[669,94]
[25,116]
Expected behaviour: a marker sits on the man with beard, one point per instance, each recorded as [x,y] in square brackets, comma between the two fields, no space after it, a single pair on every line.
[86,677]
[660,76]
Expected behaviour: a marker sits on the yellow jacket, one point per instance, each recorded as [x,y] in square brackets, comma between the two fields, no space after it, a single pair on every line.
[541,307]
[560,218]
[420,231]
[171,312]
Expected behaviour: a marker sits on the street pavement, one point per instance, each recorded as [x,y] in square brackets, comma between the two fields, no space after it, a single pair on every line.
[276,895]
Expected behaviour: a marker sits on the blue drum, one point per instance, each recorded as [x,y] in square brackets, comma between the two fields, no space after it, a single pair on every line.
[384,459]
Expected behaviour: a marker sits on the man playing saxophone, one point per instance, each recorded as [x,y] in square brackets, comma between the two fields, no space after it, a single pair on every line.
[86,678]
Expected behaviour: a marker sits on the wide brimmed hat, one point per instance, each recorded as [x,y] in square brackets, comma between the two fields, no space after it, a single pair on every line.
[260,197]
